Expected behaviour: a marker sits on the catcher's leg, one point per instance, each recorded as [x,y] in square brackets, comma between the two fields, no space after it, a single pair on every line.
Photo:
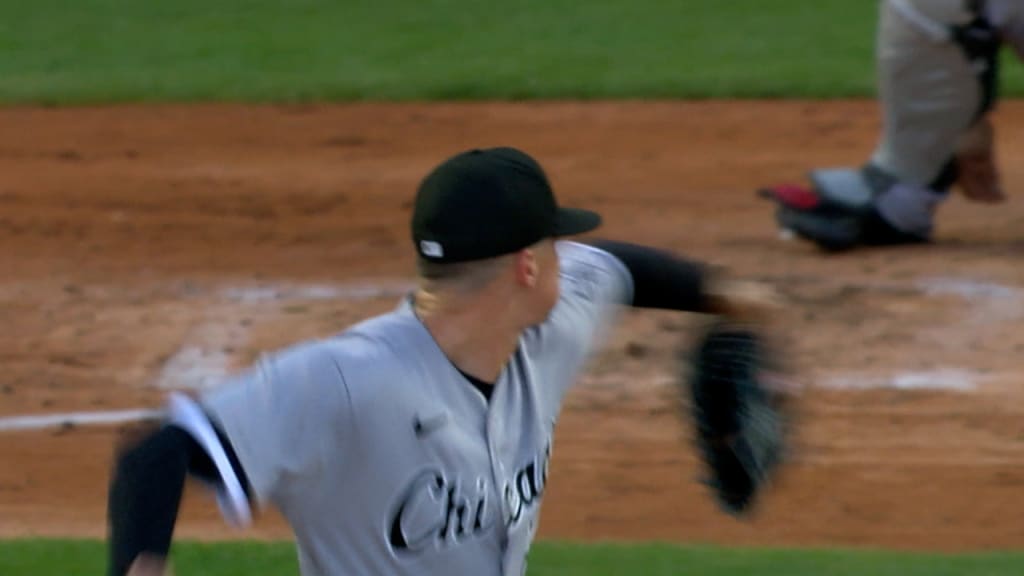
[931,90]
[930,93]
[936,91]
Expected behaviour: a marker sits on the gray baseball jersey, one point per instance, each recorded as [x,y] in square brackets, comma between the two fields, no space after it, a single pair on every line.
[383,457]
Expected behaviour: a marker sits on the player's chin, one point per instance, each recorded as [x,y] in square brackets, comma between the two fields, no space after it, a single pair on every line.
[542,315]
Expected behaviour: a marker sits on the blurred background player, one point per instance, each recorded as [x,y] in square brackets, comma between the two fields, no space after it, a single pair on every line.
[937,72]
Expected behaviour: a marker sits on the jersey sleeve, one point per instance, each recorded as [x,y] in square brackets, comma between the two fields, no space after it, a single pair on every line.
[284,416]
[594,287]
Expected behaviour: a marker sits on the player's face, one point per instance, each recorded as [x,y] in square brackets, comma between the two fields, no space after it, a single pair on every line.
[537,271]
[548,278]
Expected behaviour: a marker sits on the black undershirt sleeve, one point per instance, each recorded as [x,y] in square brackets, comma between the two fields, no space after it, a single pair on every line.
[146,491]
[660,279]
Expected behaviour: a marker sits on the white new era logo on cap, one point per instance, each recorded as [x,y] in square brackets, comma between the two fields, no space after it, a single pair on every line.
[431,249]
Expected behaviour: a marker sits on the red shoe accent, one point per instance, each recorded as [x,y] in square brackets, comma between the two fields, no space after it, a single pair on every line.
[795,196]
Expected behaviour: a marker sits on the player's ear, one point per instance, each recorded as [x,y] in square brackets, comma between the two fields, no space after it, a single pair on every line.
[527,269]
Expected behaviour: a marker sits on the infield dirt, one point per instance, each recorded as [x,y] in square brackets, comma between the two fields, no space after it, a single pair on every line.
[148,247]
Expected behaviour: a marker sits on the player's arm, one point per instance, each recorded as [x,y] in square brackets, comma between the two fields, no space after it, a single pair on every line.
[664,280]
[145,495]
[283,414]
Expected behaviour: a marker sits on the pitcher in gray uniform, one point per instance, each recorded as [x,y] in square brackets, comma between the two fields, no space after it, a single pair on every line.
[937,67]
[418,442]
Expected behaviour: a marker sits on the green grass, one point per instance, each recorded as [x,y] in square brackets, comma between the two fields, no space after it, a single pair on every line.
[68,558]
[121,50]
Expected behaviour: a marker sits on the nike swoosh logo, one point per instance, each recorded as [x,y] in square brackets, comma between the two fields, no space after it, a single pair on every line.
[424,426]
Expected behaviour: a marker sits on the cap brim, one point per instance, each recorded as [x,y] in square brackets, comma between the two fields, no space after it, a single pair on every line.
[571,221]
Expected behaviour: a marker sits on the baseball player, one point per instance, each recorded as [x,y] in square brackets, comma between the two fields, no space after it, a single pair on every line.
[937,64]
[418,442]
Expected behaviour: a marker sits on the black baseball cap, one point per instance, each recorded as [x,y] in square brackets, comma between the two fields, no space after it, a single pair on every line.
[489,202]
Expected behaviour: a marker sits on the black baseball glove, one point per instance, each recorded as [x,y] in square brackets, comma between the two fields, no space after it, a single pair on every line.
[741,413]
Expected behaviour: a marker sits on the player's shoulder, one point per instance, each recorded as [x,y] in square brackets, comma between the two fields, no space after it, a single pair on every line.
[571,252]
[593,284]
[369,340]
[370,343]
[586,270]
